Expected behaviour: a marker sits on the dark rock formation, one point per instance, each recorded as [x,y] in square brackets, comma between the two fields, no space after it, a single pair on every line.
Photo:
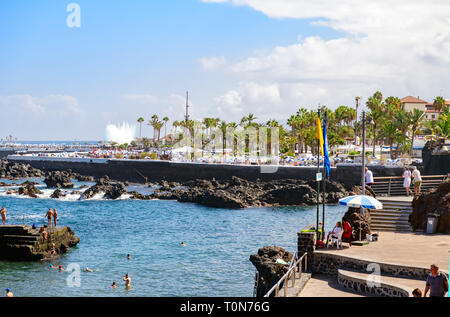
[11,170]
[59,180]
[436,201]
[240,193]
[269,271]
[110,189]
[57,194]
[360,222]
[29,190]
[22,243]
[83,178]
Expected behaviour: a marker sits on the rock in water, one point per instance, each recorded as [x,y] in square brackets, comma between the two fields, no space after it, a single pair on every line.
[59,180]
[110,189]
[57,194]
[269,270]
[437,201]
[29,190]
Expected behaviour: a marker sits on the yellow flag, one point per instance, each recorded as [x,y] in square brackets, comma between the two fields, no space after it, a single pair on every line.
[320,135]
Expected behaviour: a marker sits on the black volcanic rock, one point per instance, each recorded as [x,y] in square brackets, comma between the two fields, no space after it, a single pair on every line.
[111,190]
[270,272]
[57,194]
[240,193]
[12,170]
[435,201]
[59,179]
[29,190]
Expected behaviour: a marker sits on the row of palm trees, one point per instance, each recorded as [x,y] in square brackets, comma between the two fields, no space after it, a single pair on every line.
[388,123]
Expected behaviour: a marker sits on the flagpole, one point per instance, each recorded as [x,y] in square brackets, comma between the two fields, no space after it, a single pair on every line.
[324,181]
[363,154]
[318,182]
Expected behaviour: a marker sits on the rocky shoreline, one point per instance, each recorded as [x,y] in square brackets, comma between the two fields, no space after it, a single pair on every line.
[234,193]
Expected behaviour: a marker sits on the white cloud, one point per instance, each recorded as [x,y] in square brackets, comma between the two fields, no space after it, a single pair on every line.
[213,63]
[60,105]
[399,47]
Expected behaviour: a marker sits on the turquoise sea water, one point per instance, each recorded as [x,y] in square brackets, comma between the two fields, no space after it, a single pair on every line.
[215,261]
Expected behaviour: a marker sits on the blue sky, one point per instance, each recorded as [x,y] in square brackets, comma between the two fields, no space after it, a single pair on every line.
[136,58]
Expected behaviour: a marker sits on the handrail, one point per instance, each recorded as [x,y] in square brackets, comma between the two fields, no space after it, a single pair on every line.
[401,177]
[285,277]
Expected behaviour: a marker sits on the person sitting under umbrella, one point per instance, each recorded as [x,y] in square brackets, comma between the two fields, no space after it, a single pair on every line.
[335,232]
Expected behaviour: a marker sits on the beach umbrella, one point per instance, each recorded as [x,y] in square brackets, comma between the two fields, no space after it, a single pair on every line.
[361,201]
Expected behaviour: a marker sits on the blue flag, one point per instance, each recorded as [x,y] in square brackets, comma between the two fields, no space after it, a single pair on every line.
[326,159]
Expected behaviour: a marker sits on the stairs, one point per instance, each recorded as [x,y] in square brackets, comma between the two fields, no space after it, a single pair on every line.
[393,186]
[393,217]
[378,285]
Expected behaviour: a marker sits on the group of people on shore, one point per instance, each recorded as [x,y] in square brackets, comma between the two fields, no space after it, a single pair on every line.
[51,214]
[408,177]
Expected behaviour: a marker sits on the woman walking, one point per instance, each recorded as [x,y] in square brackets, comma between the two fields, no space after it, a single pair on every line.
[407,181]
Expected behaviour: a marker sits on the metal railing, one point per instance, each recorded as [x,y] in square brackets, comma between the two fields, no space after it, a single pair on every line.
[295,269]
[388,184]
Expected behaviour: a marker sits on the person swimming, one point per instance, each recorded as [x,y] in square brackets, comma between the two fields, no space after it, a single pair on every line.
[183,244]
[128,257]
[127,281]
[114,285]
[60,268]
[88,270]
[9,293]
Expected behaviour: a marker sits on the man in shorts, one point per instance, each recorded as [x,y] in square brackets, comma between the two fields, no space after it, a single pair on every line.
[417,181]
[437,283]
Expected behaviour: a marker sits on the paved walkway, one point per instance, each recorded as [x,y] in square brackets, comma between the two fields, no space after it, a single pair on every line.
[397,198]
[325,286]
[409,249]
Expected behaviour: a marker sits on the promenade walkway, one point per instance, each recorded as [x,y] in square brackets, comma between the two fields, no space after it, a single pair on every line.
[408,249]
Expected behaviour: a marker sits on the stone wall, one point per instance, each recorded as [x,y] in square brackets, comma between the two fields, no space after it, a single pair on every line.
[329,264]
[137,170]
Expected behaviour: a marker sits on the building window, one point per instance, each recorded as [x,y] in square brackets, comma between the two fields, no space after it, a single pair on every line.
[432,116]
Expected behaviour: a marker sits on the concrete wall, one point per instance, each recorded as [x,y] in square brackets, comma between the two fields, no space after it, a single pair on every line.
[134,170]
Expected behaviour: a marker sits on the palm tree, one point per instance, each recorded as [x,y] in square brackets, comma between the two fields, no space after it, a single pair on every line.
[165,119]
[439,103]
[376,117]
[140,120]
[416,118]
[390,134]
[292,122]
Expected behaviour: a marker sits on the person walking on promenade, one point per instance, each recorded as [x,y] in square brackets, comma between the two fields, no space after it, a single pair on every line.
[407,181]
[437,283]
[369,177]
[55,216]
[49,215]
[417,181]
[3,212]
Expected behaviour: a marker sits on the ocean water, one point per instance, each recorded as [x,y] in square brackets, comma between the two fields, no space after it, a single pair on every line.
[214,262]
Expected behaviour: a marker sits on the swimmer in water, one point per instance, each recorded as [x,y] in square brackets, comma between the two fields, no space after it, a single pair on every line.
[183,244]
[114,285]
[60,268]
[3,213]
[9,293]
[128,257]
[88,270]
[127,281]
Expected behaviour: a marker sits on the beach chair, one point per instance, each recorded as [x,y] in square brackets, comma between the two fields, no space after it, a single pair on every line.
[338,241]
